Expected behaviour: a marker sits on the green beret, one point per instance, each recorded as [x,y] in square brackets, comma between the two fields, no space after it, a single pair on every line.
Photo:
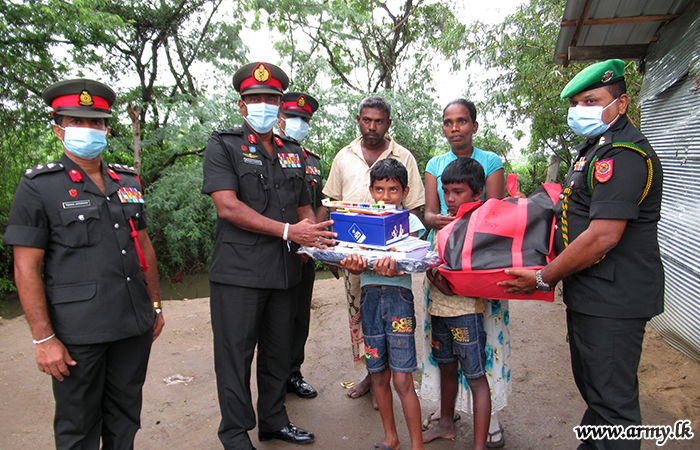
[260,78]
[594,76]
[299,104]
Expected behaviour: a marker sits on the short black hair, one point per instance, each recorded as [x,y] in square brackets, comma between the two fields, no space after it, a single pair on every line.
[58,120]
[466,103]
[465,170]
[389,169]
[375,102]
[617,89]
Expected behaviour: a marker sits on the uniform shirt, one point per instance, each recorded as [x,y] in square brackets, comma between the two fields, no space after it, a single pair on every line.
[629,281]
[95,290]
[349,177]
[488,160]
[314,178]
[272,186]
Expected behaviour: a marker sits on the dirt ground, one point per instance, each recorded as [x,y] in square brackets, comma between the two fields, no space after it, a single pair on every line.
[541,412]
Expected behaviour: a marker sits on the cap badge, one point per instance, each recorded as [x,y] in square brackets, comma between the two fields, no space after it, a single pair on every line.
[85,99]
[607,76]
[261,74]
[301,101]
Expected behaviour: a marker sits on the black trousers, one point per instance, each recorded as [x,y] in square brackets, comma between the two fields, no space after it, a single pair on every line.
[605,355]
[101,398]
[303,315]
[241,318]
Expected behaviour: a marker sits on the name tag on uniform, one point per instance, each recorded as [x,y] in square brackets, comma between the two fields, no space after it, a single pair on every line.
[76,204]
[255,162]
[130,195]
[289,160]
[311,170]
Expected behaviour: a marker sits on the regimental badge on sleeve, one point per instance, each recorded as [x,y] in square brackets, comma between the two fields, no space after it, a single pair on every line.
[603,170]
[130,195]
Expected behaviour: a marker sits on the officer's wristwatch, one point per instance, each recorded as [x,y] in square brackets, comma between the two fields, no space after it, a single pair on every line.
[158,307]
[541,285]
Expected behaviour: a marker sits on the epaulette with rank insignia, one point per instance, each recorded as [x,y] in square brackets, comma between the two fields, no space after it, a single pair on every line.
[236,131]
[54,166]
[122,168]
[310,152]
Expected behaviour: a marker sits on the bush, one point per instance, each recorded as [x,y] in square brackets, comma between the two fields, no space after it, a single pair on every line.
[182,221]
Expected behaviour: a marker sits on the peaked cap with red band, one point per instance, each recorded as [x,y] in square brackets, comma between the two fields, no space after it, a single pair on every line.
[80,98]
[260,78]
[299,104]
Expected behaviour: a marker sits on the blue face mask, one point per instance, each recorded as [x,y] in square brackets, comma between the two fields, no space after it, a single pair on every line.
[296,128]
[588,120]
[87,143]
[262,116]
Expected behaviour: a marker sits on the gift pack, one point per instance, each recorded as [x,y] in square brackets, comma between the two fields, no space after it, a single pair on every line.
[379,225]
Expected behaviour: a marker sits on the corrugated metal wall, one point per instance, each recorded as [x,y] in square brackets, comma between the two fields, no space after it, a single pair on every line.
[671,122]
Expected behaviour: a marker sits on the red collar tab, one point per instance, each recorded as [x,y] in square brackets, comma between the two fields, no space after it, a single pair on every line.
[306,155]
[252,139]
[278,141]
[75,175]
[114,175]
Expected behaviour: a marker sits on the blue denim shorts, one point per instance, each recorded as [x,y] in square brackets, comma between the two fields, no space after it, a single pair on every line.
[462,339]
[388,322]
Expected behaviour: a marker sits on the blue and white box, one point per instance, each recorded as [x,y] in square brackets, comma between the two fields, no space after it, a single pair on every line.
[369,229]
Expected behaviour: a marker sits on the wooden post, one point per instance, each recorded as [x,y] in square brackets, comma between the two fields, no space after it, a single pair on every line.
[136,127]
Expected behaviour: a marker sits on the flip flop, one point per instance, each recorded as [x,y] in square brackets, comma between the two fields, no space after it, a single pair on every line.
[431,419]
[490,443]
[381,446]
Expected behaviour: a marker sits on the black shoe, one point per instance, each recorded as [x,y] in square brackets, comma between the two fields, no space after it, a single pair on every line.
[290,433]
[300,387]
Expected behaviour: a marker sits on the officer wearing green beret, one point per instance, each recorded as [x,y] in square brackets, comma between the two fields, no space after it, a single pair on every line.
[97,309]
[295,115]
[607,250]
[256,180]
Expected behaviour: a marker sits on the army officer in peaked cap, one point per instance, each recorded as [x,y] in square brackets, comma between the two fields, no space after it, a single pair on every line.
[97,309]
[608,252]
[295,115]
[256,180]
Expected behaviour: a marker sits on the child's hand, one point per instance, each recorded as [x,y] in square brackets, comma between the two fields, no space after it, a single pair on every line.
[386,267]
[441,220]
[354,264]
[439,281]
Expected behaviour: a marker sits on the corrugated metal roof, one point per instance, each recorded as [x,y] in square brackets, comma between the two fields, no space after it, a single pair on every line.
[614,34]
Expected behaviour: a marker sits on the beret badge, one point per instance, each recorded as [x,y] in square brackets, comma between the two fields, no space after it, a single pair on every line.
[607,76]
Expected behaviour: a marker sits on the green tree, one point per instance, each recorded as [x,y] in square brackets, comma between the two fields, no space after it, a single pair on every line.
[527,87]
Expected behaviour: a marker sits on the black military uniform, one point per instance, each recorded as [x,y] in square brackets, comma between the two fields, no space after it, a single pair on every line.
[303,106]
[253,276]
[96,296]
[616,175]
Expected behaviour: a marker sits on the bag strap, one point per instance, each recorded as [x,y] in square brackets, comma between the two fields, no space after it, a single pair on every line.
[520,225]
[512,184]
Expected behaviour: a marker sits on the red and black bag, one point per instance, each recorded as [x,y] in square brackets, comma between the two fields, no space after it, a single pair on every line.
[487,238]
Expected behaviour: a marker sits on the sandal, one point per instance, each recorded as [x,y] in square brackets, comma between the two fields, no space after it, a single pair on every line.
[381,446]
[432,419]
[491,443]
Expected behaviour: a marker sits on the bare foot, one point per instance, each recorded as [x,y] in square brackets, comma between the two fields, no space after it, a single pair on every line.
[440,430]
[360,388]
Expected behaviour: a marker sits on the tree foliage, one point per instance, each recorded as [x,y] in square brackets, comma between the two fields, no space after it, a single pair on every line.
[527,87]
